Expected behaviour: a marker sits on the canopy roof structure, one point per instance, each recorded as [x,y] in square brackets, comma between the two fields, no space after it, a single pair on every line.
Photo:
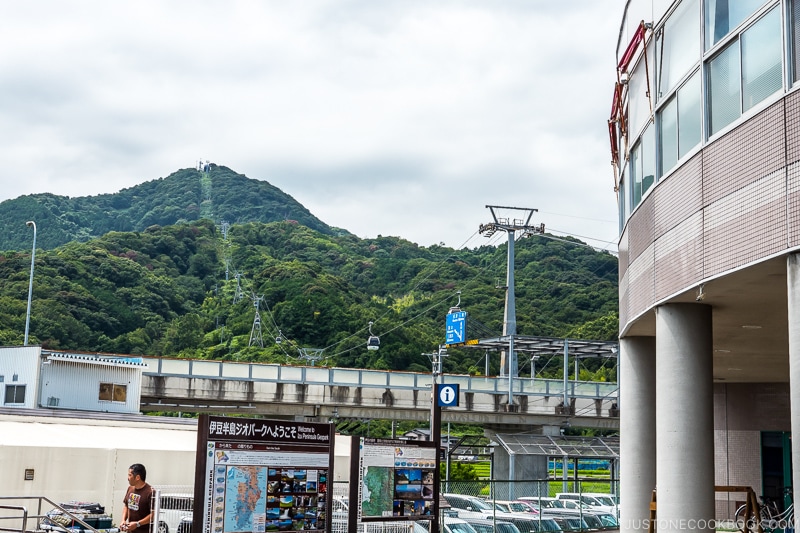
[574,447]
[547,345]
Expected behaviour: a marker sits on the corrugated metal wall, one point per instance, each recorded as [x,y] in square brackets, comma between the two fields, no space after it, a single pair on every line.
[77,384]
[19,367]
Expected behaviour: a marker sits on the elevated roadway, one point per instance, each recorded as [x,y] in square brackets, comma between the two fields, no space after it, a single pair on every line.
[342,393]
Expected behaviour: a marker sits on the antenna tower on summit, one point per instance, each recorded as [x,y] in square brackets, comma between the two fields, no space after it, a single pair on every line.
[255,332]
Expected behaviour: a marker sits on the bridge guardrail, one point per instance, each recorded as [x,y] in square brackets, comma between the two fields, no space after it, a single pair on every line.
[351,377]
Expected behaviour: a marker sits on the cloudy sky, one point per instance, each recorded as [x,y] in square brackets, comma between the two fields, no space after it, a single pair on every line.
[382,117]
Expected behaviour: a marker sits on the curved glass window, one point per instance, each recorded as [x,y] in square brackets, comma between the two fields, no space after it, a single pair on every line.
[680,123]
[678,46]
[668,134]
[638,101]
[623,204]
[643,166]
[722,16]
[746,72]
[724,91]
[690,115]
[762,74]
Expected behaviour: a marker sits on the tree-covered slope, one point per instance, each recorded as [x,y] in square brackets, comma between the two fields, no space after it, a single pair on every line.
[186,290]
[184,196]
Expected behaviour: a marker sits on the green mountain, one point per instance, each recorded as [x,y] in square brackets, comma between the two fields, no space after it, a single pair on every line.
[188,290]
[184,196]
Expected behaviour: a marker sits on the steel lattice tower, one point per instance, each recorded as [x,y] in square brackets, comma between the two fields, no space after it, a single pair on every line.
[255,332]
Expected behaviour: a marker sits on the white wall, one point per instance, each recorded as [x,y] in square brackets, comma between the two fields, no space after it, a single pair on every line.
[24,362]
[85,459]
[88,460]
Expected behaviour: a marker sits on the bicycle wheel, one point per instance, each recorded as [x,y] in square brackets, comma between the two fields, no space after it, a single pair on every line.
[739,517]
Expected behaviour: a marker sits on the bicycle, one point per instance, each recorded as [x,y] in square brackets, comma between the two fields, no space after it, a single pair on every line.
[771,518]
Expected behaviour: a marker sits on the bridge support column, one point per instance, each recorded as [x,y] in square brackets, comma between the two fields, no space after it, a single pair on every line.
[793,296]
[637,443]
[684,418]
[519,470]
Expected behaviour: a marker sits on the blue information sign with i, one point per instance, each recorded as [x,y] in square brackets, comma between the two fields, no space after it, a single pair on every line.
[448,395]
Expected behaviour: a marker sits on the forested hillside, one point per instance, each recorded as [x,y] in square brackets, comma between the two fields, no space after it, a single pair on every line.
[163,290]
[184,196]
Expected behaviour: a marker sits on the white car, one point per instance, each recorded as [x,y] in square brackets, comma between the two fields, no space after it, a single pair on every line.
[451,525]
[472,507]
[172,508]
[598,501]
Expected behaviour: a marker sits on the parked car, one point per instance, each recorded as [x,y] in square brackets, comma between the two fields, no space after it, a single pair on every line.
[491,526]
[535,524]
[472,507]
[521,506]
[185,525]
[451,524]
[591,519]
[515,506]
[592,501]
[172,509]
[569,523]
[544,502]
[469,507]
[457,525]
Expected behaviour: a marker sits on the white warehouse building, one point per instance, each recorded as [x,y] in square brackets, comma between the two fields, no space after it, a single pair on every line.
[31,377]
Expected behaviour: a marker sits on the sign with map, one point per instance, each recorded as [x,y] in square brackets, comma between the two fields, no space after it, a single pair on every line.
[255,476]
[396,479]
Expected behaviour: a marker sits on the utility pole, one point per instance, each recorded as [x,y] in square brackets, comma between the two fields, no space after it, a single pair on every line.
[32,224]
[436,422]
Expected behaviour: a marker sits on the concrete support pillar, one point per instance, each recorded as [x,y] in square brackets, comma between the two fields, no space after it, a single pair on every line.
[637,443]
[684,418]
[793,297]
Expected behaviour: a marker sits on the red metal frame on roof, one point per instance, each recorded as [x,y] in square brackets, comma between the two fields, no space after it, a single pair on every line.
[617,127]
[627,57]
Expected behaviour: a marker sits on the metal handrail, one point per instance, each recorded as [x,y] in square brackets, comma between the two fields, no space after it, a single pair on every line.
[38,516]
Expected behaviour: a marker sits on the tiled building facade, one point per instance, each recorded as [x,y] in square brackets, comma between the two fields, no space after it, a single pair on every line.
[705,135]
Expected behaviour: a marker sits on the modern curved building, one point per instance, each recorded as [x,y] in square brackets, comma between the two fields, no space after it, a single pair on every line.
[705,137]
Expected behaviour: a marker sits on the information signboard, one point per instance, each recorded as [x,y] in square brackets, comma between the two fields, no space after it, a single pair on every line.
[396,479]
[455,327]
[255,475]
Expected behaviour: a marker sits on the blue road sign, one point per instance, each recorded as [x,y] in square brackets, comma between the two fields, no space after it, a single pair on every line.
[448,395]
[456,328]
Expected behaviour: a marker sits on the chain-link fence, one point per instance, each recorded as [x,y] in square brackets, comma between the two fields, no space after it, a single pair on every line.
[529,506]
[584,504]
[541,488]
[536,505]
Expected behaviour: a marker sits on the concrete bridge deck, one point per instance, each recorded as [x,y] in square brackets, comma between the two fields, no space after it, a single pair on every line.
[323,393]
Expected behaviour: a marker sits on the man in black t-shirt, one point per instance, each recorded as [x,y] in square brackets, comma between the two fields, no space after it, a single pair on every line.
[137,509]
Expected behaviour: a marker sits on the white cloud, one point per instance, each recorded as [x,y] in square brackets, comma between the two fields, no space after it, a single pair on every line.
[394,117]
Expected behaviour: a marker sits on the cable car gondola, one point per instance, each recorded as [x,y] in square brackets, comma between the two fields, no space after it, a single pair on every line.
[373,342]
